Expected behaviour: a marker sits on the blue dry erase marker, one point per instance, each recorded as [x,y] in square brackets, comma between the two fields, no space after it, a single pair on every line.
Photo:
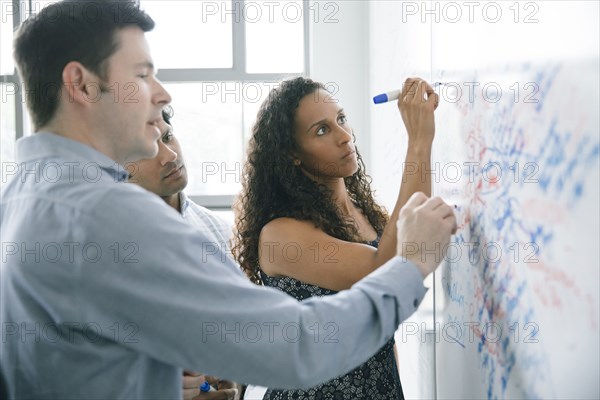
[206,387]
[393,95]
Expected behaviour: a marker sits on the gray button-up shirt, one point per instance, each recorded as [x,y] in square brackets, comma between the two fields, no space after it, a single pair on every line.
[218,229]
[107,293]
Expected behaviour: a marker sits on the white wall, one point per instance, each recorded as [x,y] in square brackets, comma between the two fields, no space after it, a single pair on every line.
[339,55]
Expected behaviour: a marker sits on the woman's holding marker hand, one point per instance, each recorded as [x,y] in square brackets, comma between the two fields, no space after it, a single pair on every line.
[307,222]
[417,113]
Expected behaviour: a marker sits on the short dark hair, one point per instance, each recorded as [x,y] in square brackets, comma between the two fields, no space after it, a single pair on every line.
[70,30]
[167,114]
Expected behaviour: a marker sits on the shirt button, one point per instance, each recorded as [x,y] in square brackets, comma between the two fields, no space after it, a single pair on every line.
[415,303]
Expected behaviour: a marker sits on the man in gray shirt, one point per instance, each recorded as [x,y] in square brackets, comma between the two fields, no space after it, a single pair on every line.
[105,292]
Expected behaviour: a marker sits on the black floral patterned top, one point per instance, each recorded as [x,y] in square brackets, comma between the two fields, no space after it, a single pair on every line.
[376,379]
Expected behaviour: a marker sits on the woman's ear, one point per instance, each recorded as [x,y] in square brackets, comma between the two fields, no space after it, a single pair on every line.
[294,158]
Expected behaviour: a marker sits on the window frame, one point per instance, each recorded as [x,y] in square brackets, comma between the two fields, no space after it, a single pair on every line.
[14,77]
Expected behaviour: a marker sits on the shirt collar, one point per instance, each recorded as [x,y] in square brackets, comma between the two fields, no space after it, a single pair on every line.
[184,203]
[44,145]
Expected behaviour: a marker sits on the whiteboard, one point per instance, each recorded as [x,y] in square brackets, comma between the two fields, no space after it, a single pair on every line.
[516,305]
[519,316]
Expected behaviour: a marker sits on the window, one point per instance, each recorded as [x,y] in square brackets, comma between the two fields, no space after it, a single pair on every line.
[218,59]
[183,38]
[7,126]
[15,121]
[7,66]
[213,121]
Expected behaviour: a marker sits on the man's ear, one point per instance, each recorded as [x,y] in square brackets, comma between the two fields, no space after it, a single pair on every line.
[81,85]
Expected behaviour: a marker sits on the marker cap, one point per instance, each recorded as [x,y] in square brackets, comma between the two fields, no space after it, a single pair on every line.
[380,98]
[205,387]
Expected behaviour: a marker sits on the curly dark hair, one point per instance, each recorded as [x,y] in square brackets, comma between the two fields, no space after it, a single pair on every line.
[274,187]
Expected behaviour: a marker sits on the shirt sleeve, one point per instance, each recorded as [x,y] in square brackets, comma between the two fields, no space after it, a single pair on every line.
[190,309]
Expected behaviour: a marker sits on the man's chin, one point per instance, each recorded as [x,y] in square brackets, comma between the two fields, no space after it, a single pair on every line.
[178,186]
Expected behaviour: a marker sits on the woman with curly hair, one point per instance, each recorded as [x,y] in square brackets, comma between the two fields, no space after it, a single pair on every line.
[307,222]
